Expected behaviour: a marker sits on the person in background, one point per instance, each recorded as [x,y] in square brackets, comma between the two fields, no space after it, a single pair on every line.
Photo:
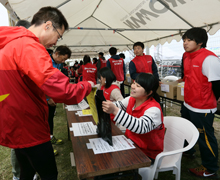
[60,55]
[76,65]
[89,71]
[142,63]
[94,61]
[110,87]
[27,130]
[117,65]
[122,55]
[201,92]
[80,64]
[141,115]
[72,74]
[65,69]
[101,61]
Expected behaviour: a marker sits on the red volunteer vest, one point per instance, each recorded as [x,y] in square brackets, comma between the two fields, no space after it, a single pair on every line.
[150,143]
[103,63]
[107,93]
[117,68]
[143,64]
[197,90]
[89,72]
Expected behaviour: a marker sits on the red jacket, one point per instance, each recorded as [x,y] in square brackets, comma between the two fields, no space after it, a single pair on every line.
[89,72]
[103,63]
[197,90]
[150,143]
[117,68]
[27,74]
[143,64]
[107,93]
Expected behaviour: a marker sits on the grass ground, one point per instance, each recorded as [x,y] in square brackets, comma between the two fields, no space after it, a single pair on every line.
[66,172]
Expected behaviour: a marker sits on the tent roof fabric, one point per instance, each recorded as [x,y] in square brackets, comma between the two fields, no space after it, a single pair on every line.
[96,25]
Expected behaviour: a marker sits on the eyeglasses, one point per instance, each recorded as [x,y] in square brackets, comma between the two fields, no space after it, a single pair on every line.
[61,38]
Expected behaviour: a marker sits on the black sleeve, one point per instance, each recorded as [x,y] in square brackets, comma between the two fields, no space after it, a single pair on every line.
[182,70]
[98,65]
[132,70]
[154,69]
[216,88]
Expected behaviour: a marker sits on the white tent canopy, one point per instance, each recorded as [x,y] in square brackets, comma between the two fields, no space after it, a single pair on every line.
[95,25]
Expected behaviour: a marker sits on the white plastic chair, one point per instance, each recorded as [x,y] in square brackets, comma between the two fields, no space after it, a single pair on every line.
[177,130]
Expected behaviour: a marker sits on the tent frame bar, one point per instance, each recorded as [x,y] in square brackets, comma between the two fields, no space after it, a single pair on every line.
[120,29]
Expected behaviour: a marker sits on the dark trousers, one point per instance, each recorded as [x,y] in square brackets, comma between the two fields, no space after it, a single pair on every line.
[50,117]
[208,145]
[38,159]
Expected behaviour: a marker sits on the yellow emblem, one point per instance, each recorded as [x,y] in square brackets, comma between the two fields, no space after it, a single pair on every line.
[2,97]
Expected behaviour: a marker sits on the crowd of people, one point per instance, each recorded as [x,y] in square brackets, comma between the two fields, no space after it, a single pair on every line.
[36,78]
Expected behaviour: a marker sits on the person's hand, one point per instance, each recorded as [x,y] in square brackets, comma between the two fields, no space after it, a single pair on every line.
[180,80]
[160,83]
[109,107]
[92,83]
[51,102]
[218,102]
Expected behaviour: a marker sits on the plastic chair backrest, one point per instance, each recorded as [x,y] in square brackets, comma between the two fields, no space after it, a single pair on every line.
[177,130]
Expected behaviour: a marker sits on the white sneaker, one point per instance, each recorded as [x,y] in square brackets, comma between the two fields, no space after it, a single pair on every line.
[36,177]
[15,178]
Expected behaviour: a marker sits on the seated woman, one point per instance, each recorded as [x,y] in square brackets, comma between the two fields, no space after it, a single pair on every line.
[89,71]
[141,115]
[111,90]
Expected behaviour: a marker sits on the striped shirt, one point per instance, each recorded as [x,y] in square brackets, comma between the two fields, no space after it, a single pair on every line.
[150,120]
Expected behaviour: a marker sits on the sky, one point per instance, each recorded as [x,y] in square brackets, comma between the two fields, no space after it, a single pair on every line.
[4,16]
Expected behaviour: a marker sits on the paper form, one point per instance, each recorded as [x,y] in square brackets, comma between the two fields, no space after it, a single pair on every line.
[120,143]
[83,129]
[83,104]
[73,108]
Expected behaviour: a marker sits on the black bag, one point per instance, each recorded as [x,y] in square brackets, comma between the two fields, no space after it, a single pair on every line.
[104,128]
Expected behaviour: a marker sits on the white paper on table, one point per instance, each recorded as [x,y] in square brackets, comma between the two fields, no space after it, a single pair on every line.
[83,104]
[73,108]
[84,129]
[88,146]
[120,143]
[165,88]
[182,91]
[80,113]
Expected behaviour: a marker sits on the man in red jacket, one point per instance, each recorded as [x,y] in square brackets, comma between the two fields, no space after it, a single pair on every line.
[27,75]
[142,63]
[201,90]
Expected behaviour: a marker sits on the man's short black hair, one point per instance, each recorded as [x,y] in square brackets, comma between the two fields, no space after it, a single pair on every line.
[23,23]
[113,51]
[122,55]
[196,34]
[108,74]
[63,50]
[139,44]
[101,54]
[50,14]
[86,59]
